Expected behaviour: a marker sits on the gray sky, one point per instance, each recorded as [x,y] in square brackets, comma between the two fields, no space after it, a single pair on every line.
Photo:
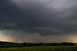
[38,20]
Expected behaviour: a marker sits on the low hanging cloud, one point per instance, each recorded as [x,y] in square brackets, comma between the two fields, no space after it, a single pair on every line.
[35,38]
[38,17]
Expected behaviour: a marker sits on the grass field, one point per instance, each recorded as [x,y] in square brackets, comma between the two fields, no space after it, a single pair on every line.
[42,48]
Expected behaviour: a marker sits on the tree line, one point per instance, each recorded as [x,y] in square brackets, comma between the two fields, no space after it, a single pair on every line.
[10,44]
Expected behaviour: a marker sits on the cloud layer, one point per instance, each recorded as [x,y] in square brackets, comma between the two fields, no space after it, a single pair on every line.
[43,17]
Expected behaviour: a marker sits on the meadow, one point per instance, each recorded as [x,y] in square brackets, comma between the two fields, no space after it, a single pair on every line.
[42,48]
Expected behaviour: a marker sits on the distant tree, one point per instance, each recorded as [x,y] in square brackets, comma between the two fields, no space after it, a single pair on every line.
[66,43]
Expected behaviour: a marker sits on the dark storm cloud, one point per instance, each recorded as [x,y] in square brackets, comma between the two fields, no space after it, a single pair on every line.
[29,17]
[39,16]
[22,19]
[38,20]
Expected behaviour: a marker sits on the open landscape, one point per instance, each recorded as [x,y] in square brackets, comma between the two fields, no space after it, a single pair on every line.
[38,25]
[42,48]
[10,46]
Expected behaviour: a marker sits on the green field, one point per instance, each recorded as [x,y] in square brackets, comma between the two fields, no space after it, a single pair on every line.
[42,48]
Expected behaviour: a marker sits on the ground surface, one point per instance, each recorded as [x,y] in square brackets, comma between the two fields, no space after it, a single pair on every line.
[42,48]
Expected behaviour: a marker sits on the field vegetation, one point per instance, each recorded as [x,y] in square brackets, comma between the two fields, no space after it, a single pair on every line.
[42,48]
[9,46]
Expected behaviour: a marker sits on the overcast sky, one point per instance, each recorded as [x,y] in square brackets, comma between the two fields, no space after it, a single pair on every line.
[38,20]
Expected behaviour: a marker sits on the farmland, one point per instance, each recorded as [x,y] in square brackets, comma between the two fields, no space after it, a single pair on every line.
[11,46]
[42,48]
